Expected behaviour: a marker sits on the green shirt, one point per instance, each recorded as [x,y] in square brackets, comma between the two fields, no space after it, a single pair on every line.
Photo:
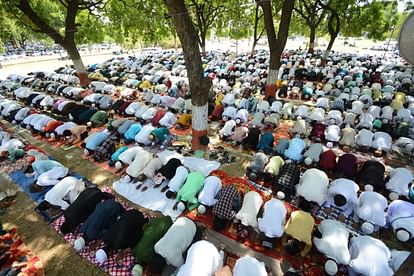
[99,118]
[154,230]
[188,192]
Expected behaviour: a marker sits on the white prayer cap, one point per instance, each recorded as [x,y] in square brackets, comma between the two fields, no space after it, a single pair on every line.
[101,256]
[238,121]
[288,161]
[48,135]
[329,144]
[52,135]
[280,195]
[181,207]
[70,117]
[308,161]
[137,270]
[28,127]
[86,152]
[367,228]
[81,101]
[14,122]
[368,188]
[409,147]
[126,179]
[403,235]
[79,244]
[118,165]
[385,121]
[45,108]
[89,124]
[331,268]
[225,118]
[201,209]
[93,105]
[113,111]
[393,196]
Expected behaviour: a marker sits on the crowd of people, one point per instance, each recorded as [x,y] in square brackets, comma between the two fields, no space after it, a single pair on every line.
[348,117]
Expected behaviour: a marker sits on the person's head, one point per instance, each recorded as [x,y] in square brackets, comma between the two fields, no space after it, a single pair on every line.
[66,228]
[292,247]
[142,177]
[402,235]
[339,200]
[83,145]
[367,227]
[67,133]
[170,194]
[330,267]
[305,205]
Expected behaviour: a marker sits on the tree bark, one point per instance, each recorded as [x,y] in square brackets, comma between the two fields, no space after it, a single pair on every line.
[276,45]
[312,39]
[333,29]
[77,61]
[199,85]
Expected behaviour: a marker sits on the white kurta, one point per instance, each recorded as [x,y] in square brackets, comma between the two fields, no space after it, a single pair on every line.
[68,188]
[206,265]
[252,203]
[364,138]
[346,188]
[400,179]
[371,207]
[313,186]
[178,237]
[248,266]
[369,256]
[143,157]
[52,176]
[143,136]
[207,196]
[334,241]
[228,128]
[272,224]
[179,179]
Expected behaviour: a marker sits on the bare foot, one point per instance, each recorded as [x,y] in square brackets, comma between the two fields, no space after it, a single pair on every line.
[157,186]
[144,189]
[139,186]
[163,190]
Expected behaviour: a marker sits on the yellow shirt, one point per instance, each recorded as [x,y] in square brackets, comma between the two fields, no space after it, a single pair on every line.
[218,99]
[397,104]
[300,226]
[400,96]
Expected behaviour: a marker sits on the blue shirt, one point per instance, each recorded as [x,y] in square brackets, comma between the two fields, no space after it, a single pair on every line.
[117,153]
[132,131]
[296,147]
[95,140]
[266,142]
[42,166]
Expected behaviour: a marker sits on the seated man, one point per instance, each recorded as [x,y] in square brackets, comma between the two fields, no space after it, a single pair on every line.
[273,220]
[312,155]
[187,195]
[127,157]
[211,262]
[274,165]
[382,141]
[102,219]
[184,121]
[342,196]
[317,133]
[299,229]
[313,186]
[176,241]
[369,256]
[68,189]
[400,217]
[168,171]
[348,135]
[287,179]
[252,138]
[99,118]
[370,208]
[124,233]
[168,120]
[247,215]
[153,231]
[300,127]
[332,241]
[52,176]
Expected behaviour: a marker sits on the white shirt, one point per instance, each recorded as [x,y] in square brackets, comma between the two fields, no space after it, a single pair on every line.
[21,114]
[322,102]
[387,112]
[243,115]
[346,188]
[302,111]
[382,140]
[336,115]
[178,237]
[272,224]
[263,106]
[168,120]
[252,203]
[178,180]
[132,108]
[332,133]
[60,129]
[149,114]
[129,155]
[369,256]
[207,196]
[317,114]
[371,207]
[228,99]
[313,186]
[287,109]
[276,106]
[229,112]
[258,119]
[334,241]
[400,178]
[364,138]
[357,107]
[206,265]
[228,128]
[143,135]
[248,266]
[398,258]
[51,177]
[68,188]
[314,152]
[135,168]
[141,111]
[375,111]
[365,120]
[349,118]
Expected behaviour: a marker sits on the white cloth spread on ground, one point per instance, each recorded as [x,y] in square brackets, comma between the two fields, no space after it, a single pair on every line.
[151,199]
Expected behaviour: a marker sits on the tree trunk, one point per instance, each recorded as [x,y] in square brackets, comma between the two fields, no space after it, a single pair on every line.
[312,39]
[203,45]
[77,61]
[199,85]
[256,23]
[276,45]
[328,49]
[333,29]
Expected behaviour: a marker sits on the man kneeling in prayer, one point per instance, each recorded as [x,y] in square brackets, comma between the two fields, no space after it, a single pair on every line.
[187,195]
